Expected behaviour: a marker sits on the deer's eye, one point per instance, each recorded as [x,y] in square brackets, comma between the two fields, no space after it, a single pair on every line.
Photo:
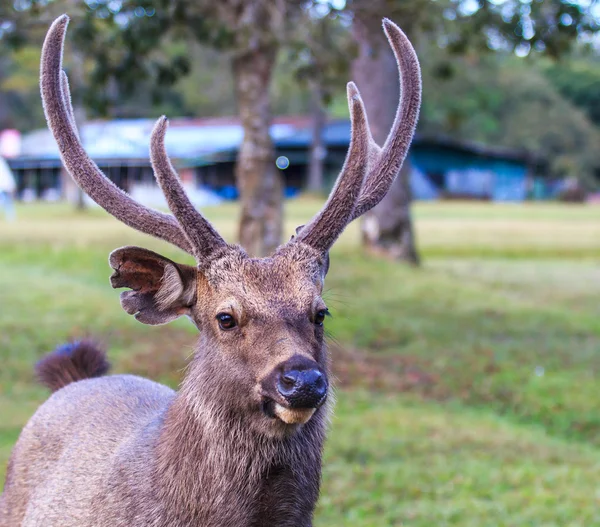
[320,316]
[226,321]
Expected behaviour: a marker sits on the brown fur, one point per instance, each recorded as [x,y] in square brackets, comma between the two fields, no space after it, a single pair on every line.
[133,452]
[230,448]
[162,290]
[70,363]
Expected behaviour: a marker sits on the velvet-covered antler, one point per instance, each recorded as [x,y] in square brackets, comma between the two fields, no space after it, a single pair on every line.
[327,225]
[366,177]
[57,107]
[381,165]
[205,240]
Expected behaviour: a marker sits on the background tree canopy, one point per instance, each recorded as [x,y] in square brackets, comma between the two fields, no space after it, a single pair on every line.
[551,108]
[506,101]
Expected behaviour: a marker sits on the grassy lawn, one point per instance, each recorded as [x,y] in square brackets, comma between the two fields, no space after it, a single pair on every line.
[467,390]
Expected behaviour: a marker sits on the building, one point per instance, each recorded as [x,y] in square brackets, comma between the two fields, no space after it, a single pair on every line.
[204,152]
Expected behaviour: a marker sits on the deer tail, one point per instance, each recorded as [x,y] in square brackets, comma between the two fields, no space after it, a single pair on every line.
[72,362]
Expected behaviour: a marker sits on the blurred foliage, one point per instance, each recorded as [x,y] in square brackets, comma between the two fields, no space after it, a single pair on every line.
[144,58]
[319,50]
[549,26]
[505,101]
[137,51]
[20,104]
[578,80]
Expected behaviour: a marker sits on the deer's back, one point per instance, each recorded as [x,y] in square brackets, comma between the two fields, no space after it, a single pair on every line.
[67,454]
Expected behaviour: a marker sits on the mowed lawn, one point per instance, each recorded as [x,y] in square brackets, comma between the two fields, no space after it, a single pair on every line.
[468,389]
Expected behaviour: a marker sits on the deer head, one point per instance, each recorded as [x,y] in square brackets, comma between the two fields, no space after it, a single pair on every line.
[260,320]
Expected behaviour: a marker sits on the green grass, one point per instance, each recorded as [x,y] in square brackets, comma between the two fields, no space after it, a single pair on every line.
[467,390]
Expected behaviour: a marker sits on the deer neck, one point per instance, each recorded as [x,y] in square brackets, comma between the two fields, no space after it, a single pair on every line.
[214,468]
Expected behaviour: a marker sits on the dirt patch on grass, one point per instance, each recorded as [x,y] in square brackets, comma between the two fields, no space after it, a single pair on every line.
[164,357]
[386,373]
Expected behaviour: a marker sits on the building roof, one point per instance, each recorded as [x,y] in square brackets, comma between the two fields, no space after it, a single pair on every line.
[129,139]
[336,133]
[477,149]
[209,140]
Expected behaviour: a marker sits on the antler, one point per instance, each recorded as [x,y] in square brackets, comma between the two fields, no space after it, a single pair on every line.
[382,164]
[328,224]
[205,240]
[366,177]
[59,114]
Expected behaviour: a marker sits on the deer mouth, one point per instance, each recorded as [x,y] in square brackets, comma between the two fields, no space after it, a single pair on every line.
[290,416]
[293,416]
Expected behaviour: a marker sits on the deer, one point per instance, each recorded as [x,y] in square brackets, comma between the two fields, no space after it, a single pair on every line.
[240,443]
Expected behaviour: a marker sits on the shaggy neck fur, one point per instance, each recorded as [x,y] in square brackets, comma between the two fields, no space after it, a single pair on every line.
[215,468]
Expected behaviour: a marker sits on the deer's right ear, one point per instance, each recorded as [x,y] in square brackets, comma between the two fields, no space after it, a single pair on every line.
[161,290]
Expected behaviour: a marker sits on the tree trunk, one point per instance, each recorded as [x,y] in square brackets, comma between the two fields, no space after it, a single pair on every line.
[317,149]
[388,227]
[259,182]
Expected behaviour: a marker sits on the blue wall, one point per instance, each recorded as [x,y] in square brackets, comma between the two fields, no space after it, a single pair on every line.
[467,173]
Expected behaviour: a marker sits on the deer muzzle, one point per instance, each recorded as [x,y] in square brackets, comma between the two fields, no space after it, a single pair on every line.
[295,390]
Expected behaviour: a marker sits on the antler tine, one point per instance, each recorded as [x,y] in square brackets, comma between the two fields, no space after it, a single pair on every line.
[59,114]
[329,223]
[388,160]
[205,240]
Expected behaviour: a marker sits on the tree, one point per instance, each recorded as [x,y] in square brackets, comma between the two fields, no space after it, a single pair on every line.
[27,22]
[484,25]
[19,68]
[20,106]
[319,46]
[578,80]
[257,28]
[508,102]
[251,32]
[126,40]
[388,227]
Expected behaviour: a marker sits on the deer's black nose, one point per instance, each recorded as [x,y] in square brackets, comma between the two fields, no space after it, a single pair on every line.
[302,387]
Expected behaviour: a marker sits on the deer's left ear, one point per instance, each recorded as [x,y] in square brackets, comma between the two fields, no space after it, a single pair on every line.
[161,290]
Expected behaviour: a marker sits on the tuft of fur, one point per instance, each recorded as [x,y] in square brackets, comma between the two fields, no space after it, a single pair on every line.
[72,362]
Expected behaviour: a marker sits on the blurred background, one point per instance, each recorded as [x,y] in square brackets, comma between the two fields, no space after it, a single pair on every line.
[466,315]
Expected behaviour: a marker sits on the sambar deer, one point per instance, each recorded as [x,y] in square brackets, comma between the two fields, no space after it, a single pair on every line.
[240,443]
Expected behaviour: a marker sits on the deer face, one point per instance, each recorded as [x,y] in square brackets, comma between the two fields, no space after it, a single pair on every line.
[260,319]
[267,315]
[261,324]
